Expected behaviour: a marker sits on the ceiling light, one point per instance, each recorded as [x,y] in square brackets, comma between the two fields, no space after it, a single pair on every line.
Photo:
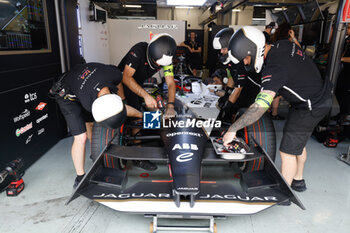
[258,19]
[132,6]
[184,7]
[279,9]
[4,1]
[185,2]
[236,10]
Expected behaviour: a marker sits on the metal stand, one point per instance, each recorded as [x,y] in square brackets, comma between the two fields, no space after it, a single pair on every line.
[345,157]
[154,227]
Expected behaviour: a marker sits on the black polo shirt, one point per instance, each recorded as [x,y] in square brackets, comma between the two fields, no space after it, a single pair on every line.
[293,75]
[242,78]
[86,80]
[194,45]
[136,58]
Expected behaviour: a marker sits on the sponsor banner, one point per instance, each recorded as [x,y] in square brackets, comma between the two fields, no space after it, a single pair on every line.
[30,97]
[40,106]
[40,131]
[42,118]
[29,139]
[24,129]
[22,116]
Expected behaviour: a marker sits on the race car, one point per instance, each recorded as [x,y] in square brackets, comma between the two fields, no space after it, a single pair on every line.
[196,175]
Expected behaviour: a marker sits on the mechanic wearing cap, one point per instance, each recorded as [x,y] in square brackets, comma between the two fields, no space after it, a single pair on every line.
[141,62]
[244,85]
[287,71]
[87,93]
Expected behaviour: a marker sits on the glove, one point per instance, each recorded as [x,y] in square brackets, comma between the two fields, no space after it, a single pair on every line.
[223,100]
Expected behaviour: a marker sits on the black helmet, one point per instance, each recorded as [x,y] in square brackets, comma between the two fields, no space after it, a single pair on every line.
[248,41]
[160,50]
[109,110]
[221,41]
[222,38]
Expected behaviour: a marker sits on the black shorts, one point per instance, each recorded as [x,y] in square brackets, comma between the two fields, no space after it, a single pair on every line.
[76,116]
[299,126]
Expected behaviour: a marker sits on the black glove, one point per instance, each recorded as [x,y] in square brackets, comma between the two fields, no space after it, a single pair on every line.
[222,100]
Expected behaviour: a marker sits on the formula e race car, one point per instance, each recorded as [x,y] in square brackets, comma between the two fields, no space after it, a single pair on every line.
[196,177]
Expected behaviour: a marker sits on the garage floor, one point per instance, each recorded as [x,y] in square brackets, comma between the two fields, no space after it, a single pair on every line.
[41,206]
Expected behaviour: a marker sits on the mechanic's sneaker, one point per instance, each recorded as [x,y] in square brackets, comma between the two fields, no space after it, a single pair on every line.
[77,181]
[285,203]
[298,185]
[145,165]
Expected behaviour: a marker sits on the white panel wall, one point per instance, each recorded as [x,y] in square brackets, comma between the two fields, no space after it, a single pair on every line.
[190,15]
[95,36]
[126,33]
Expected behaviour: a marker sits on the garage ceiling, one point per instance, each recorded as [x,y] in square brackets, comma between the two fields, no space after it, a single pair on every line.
[148,8]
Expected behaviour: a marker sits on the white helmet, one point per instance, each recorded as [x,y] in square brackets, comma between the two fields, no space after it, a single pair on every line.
[248,41]
[221,41]
[109,110]
[161,50]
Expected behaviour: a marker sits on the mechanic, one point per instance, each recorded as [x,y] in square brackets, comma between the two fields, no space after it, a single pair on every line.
[242,86]
[194,57]
[283,32]
[287,71]
[219,77]
[343,84]
[141,62]
[220,42]
[85,94]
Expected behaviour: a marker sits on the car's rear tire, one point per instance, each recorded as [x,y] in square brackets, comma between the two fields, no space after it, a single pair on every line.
[263,131]
[100,137]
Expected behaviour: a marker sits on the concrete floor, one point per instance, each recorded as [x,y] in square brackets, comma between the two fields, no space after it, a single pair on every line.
[41,206]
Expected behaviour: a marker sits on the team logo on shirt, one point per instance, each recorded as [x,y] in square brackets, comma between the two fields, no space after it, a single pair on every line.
[133,54]
[85,74]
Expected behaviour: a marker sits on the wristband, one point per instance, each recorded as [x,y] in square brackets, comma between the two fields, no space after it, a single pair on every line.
[173,103]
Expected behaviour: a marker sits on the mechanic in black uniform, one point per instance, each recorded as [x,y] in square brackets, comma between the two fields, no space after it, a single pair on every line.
[292,74]
[342,91]
[141,62]
[85,94]
[193,57]
[220,42]
[244,85]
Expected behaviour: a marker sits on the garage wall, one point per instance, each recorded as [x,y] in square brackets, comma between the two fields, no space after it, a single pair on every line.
[244,16]
[95,36]
[123,34]
[189,15]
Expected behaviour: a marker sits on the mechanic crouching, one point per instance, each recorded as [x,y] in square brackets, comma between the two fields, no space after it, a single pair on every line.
[141,62]
[291,73]
[85,94]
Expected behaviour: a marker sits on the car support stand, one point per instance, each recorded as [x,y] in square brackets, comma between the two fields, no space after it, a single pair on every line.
[345,157]
[155,227]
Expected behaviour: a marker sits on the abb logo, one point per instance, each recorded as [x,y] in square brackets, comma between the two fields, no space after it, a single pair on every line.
[185,146]
[40,106]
